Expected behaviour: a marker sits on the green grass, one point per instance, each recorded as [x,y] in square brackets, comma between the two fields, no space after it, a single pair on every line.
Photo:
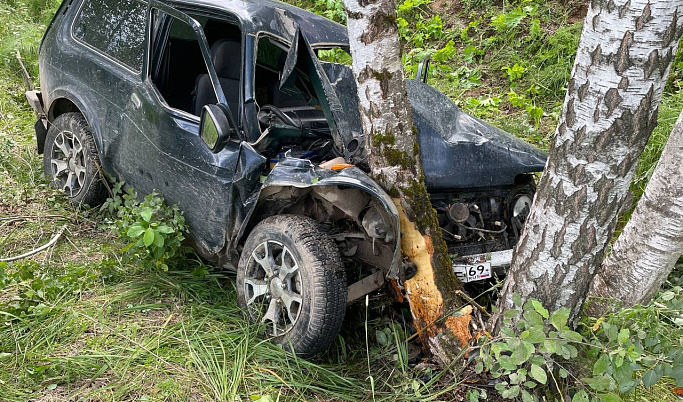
[83,325]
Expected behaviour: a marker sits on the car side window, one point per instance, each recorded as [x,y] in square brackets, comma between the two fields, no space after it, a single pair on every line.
[179,72]
[116,28]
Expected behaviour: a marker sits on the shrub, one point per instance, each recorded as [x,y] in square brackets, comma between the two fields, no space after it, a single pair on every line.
[633,347]
[154,232]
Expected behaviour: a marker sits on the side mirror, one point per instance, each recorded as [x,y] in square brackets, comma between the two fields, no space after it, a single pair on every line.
[423,70]
[216,126]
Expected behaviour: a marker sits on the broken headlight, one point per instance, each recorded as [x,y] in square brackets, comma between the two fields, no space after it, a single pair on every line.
[521,204]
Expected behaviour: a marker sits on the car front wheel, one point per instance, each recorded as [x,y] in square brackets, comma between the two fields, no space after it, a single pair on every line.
[71,162]
[291,279]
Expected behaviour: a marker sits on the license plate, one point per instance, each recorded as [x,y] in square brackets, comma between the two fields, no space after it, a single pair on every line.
[473,272]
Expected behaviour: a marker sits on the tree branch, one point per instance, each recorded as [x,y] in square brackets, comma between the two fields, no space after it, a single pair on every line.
[39,249]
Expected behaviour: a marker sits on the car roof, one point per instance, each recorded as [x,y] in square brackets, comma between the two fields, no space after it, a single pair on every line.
[277,18]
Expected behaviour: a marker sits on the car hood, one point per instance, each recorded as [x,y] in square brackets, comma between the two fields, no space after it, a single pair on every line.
[458,150]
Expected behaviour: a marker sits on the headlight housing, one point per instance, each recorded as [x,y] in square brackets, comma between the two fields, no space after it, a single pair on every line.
[520,202]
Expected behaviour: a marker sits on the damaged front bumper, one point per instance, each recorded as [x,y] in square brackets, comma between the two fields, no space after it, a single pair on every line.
[479,267]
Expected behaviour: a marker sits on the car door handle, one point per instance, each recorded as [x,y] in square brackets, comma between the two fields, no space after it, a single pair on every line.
[135,100]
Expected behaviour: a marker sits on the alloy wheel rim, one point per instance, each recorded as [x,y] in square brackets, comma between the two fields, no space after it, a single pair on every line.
[67,163]
[273,287]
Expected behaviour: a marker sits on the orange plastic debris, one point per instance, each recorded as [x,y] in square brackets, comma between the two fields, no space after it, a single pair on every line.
[341,166]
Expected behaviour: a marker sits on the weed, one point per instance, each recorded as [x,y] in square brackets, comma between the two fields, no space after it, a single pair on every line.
[154,231]
[627,349]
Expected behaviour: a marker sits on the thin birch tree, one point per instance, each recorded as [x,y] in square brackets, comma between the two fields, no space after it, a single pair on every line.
[624,56]
[652,240]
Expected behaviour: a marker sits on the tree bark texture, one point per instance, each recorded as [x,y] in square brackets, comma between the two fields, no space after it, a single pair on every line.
[394,160]
[652,240]
[624,56]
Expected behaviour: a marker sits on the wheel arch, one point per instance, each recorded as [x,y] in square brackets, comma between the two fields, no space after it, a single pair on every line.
[63,101]
[348,197]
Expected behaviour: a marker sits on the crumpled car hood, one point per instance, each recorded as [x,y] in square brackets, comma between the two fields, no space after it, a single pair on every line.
[461,151]
[458,150]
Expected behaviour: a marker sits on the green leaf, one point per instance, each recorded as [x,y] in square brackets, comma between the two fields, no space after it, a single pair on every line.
[517,300]
[534,319]
[623,374]
[623,336]
[601,364]
[551,346]
[571,336]
[148,239]
[165,229]
[666,296]
[135,231]
[146,214]
[158,240]
[526,396]
[539,308]
[522,353]
[510,313]
[506,364]
[580,396]
[677,375]
[610,331]
[650,378]
[538,374]
[511,392]
[609,397]
[627,387]
[600,383]
[382,338]
[533,335]
[559,318]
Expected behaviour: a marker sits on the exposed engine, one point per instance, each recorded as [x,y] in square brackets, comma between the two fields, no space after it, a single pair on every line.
[483,221]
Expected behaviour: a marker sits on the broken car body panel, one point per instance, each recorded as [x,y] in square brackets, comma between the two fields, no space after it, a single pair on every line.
[331,186]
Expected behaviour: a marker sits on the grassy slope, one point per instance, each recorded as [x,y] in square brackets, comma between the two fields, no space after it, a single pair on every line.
[83,325]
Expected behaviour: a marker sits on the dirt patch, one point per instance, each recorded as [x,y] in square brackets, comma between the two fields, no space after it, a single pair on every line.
[446,7]
[578,12]
[450,12]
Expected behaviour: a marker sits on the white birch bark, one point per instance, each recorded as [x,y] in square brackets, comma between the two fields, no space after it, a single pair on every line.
[624,56]
[394,160]
[652,240]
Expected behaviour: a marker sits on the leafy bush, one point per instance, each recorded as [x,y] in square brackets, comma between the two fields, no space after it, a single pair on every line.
[634,347]
[154,232]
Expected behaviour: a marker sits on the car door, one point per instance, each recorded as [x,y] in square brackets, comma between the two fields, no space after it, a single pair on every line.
[166,154]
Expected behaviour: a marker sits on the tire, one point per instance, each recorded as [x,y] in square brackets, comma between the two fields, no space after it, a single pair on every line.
[70,160]
[311,281]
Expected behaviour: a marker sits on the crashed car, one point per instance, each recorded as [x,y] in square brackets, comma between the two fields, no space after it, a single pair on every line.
[229,110]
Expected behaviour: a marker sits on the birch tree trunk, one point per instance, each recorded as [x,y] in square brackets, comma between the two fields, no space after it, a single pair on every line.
[610,110]
[394,159]
[652,240]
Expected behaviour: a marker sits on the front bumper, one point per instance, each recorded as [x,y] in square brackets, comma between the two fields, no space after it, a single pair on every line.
[499,263]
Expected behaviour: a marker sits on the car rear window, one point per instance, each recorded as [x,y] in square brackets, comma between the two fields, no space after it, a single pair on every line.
[116,28]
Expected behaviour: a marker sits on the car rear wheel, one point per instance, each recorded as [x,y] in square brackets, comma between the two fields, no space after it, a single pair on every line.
[291,279]
[71,162]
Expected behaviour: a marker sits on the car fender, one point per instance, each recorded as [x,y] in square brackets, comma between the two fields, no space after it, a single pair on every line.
[303,174]
[64,93]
